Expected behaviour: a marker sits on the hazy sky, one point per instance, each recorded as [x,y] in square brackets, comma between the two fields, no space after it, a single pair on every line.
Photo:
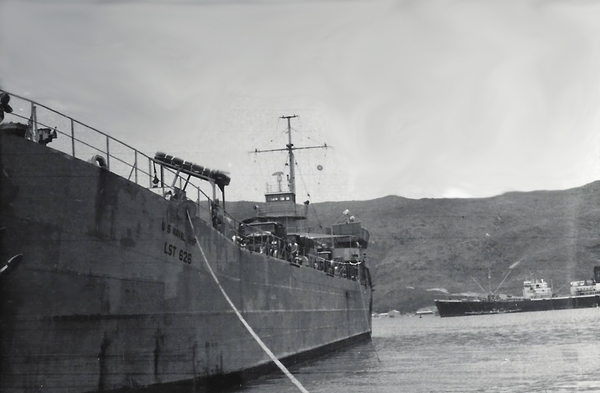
[418,98]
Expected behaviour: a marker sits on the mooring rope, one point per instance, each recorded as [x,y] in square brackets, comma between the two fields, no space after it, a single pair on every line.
[241,318]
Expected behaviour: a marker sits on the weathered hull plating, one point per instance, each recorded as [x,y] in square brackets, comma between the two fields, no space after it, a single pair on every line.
[112,291]
[457,308]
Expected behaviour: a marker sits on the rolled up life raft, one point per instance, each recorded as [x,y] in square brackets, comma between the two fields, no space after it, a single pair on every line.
[219,177]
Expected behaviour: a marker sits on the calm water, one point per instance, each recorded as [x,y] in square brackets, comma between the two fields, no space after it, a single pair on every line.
[556,351]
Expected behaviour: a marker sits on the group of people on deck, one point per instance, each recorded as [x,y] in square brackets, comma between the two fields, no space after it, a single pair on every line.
[268,245]
[300,251]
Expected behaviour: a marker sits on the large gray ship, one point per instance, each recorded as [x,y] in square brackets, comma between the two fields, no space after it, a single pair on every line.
[114,265]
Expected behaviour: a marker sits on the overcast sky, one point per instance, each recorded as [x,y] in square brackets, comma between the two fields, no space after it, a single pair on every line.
[421,99]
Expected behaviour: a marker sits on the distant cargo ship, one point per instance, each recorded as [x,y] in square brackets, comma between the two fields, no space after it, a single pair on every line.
[537,296]
[107,258]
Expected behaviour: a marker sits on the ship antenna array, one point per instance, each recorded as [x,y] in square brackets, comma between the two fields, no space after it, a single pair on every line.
[290,150]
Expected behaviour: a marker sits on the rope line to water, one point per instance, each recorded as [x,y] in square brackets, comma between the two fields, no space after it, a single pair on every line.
[241,318]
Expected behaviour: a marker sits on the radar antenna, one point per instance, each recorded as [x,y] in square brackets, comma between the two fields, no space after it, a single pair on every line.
[279,175]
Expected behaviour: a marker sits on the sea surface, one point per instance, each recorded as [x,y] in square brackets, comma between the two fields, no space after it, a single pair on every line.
[548,351]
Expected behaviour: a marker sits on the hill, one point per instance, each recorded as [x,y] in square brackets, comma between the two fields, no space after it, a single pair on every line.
[420,249]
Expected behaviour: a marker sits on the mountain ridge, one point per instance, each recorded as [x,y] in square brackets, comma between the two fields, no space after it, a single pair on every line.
[451,243]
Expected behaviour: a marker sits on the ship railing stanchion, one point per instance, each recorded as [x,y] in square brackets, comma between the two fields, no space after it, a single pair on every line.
[162,178]
[107,152]
[72,137]
[33,121]
[135,164]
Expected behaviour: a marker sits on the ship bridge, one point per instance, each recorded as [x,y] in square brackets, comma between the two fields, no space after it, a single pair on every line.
[282,205]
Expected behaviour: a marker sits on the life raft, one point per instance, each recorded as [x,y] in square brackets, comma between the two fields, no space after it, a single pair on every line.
[219,177]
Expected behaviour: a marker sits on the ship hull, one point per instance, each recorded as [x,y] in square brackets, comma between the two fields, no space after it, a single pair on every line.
[113,292]
[457,308]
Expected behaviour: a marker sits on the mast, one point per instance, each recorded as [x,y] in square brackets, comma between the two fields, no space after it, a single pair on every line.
[290,150]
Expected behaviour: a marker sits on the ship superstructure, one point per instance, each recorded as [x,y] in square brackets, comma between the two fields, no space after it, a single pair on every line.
[536,289]
[341,250]
[586,287]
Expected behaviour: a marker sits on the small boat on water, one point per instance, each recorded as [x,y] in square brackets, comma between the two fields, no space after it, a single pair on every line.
[120,270]
[537,296]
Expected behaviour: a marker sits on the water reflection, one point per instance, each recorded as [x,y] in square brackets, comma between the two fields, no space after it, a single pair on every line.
[554,351]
